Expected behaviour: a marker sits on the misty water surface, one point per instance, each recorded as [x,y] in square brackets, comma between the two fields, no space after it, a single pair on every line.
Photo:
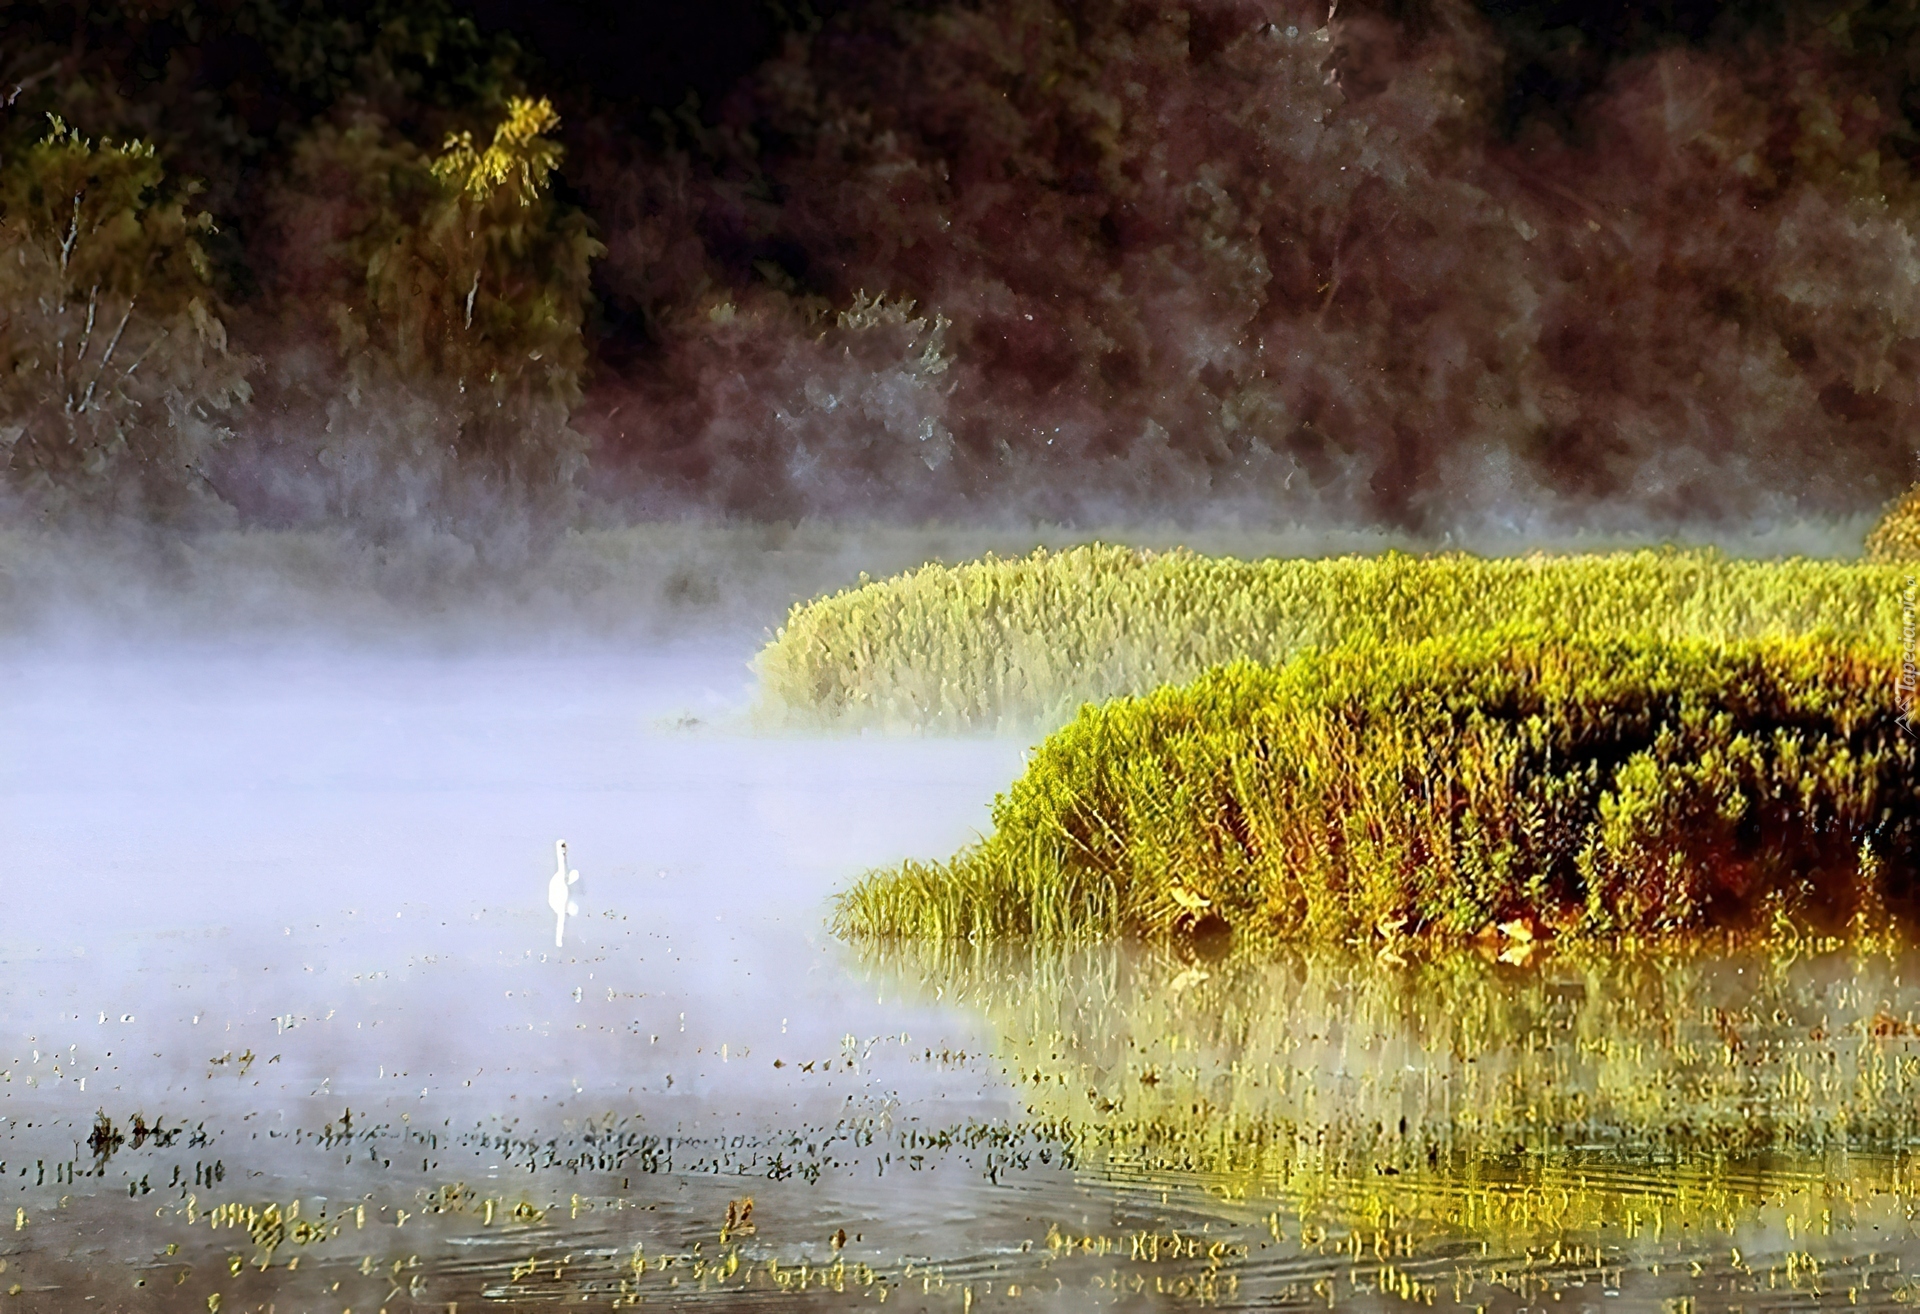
[283,1025]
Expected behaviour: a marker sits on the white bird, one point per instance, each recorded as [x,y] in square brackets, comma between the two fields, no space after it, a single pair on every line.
[563,907]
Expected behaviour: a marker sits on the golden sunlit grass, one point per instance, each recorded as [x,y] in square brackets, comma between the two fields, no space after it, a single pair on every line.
[1896,538]
[1022,642]
[1499,784]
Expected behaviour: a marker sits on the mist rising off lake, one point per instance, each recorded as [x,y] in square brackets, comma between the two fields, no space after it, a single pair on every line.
[284,1024]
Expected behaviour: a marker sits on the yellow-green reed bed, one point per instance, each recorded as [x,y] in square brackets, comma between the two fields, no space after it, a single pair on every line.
[1445,789]
[1681,1091]
[1023,642]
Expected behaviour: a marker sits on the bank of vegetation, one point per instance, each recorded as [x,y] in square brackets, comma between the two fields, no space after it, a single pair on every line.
[1499,784]
[394,262]
[1021,643]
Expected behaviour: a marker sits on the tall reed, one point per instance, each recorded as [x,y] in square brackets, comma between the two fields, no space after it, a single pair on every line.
[1617,787]
[1020,643]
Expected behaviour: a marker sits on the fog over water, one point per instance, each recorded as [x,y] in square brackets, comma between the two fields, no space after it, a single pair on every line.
[282,1023]
[235,845]
[290,887]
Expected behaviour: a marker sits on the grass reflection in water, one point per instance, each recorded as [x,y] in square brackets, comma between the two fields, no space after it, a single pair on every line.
[1715,1124]
[1579,1109]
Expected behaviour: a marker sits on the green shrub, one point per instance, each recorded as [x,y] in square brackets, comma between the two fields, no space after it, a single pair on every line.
[1023,642]
[115,379]
[1624,787]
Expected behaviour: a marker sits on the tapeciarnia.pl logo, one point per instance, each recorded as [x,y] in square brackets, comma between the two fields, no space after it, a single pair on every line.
[1909,669]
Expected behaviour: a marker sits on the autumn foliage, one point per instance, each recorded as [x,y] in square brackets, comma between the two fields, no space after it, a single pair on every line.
[1418,265]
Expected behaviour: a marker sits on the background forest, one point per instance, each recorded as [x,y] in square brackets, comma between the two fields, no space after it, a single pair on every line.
[1410,263]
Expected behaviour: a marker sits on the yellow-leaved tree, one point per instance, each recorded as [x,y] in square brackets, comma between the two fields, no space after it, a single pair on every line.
[115,377]
[456,291]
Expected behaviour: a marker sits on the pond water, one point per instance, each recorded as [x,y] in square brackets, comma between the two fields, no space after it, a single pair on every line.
[283,1027]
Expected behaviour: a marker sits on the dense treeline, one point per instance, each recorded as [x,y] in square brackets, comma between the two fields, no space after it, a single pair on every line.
[1416,264]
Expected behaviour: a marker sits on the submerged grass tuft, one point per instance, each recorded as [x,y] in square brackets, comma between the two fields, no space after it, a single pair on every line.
[1022,642]
[1448,788]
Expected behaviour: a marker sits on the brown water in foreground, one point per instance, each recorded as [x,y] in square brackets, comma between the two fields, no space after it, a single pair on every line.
[282,1026]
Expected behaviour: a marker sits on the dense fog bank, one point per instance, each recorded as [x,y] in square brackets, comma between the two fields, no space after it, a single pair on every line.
[731,582]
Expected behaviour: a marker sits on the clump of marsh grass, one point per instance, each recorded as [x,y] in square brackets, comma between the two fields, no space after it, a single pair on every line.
[1897,535]
[1020,643]
[1446,788]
